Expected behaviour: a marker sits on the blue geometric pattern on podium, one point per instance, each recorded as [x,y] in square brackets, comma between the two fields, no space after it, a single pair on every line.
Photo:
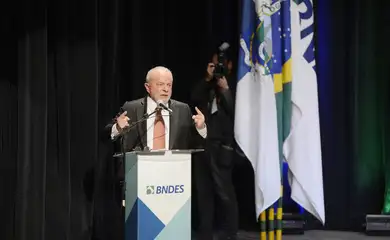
[150,227]
[158,197]
[149,224]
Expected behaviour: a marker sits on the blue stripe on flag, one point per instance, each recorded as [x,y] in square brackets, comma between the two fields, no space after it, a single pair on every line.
[281,35]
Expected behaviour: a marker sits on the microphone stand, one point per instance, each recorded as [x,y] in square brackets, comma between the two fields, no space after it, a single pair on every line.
[133,125]
[122,136]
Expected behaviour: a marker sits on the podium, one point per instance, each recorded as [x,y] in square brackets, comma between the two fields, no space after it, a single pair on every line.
[158,194]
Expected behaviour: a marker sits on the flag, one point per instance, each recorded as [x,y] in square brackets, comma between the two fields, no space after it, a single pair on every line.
[255,127]
[281,71]
[302,148]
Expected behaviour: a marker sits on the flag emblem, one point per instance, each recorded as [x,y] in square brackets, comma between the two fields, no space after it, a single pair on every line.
[257,45]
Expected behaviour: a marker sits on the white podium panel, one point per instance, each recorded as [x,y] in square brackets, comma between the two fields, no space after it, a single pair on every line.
[158,195]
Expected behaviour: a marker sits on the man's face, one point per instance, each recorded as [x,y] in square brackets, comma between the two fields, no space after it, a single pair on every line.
[160,86]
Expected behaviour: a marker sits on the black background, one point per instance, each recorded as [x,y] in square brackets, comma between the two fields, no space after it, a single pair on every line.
[67,66]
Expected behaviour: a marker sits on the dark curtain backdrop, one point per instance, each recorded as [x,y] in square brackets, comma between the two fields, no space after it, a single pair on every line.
[353,68]
[67,66]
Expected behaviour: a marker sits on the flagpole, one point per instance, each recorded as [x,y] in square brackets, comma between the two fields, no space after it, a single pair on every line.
[263,226]
[271,220]
[279,215]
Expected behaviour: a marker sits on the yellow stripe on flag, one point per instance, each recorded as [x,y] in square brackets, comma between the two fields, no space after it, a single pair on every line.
[284,77]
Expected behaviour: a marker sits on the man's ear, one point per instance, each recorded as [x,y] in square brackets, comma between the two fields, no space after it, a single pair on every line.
[147,87]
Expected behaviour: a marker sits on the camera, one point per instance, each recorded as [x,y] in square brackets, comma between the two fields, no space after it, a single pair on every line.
[220,68]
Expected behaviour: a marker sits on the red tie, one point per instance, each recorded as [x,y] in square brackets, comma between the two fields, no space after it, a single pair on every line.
[159,132]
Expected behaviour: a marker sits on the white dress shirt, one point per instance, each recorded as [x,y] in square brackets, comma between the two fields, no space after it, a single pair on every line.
[151,106]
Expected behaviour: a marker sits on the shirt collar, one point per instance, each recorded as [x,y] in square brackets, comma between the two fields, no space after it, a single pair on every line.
[151,103]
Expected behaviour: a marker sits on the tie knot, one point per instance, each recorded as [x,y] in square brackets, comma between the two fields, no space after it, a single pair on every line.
[158,114]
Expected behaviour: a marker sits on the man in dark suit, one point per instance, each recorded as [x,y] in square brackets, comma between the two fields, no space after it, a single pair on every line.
[175,129]
[213,173]
[162,130]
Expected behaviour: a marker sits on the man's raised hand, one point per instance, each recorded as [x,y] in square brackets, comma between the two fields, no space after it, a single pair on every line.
[122,121]
[199,119]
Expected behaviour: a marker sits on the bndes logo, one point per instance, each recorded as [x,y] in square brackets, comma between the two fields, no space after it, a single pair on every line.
[149,190]
[167,189]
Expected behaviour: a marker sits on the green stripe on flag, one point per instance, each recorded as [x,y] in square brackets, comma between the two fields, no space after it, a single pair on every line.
[283,83]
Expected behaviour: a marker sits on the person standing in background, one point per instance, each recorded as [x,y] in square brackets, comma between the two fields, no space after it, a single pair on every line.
[213,169]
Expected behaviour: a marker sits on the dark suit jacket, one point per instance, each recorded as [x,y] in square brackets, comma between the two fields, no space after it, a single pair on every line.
[183,134]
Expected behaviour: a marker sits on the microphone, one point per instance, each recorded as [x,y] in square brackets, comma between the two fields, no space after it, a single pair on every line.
[126,130]
[144,118]
[162,105]
[132,125]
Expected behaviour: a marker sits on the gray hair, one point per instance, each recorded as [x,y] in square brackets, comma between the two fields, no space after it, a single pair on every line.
[158,68]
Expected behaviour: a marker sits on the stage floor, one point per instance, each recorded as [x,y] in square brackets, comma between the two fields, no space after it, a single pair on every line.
[317,235]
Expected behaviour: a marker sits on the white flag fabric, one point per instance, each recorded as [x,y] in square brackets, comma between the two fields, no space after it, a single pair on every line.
[256,134]
[302,148]
[255,128]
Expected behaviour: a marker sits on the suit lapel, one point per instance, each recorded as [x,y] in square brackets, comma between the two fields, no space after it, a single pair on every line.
[141,110]
[173,124]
